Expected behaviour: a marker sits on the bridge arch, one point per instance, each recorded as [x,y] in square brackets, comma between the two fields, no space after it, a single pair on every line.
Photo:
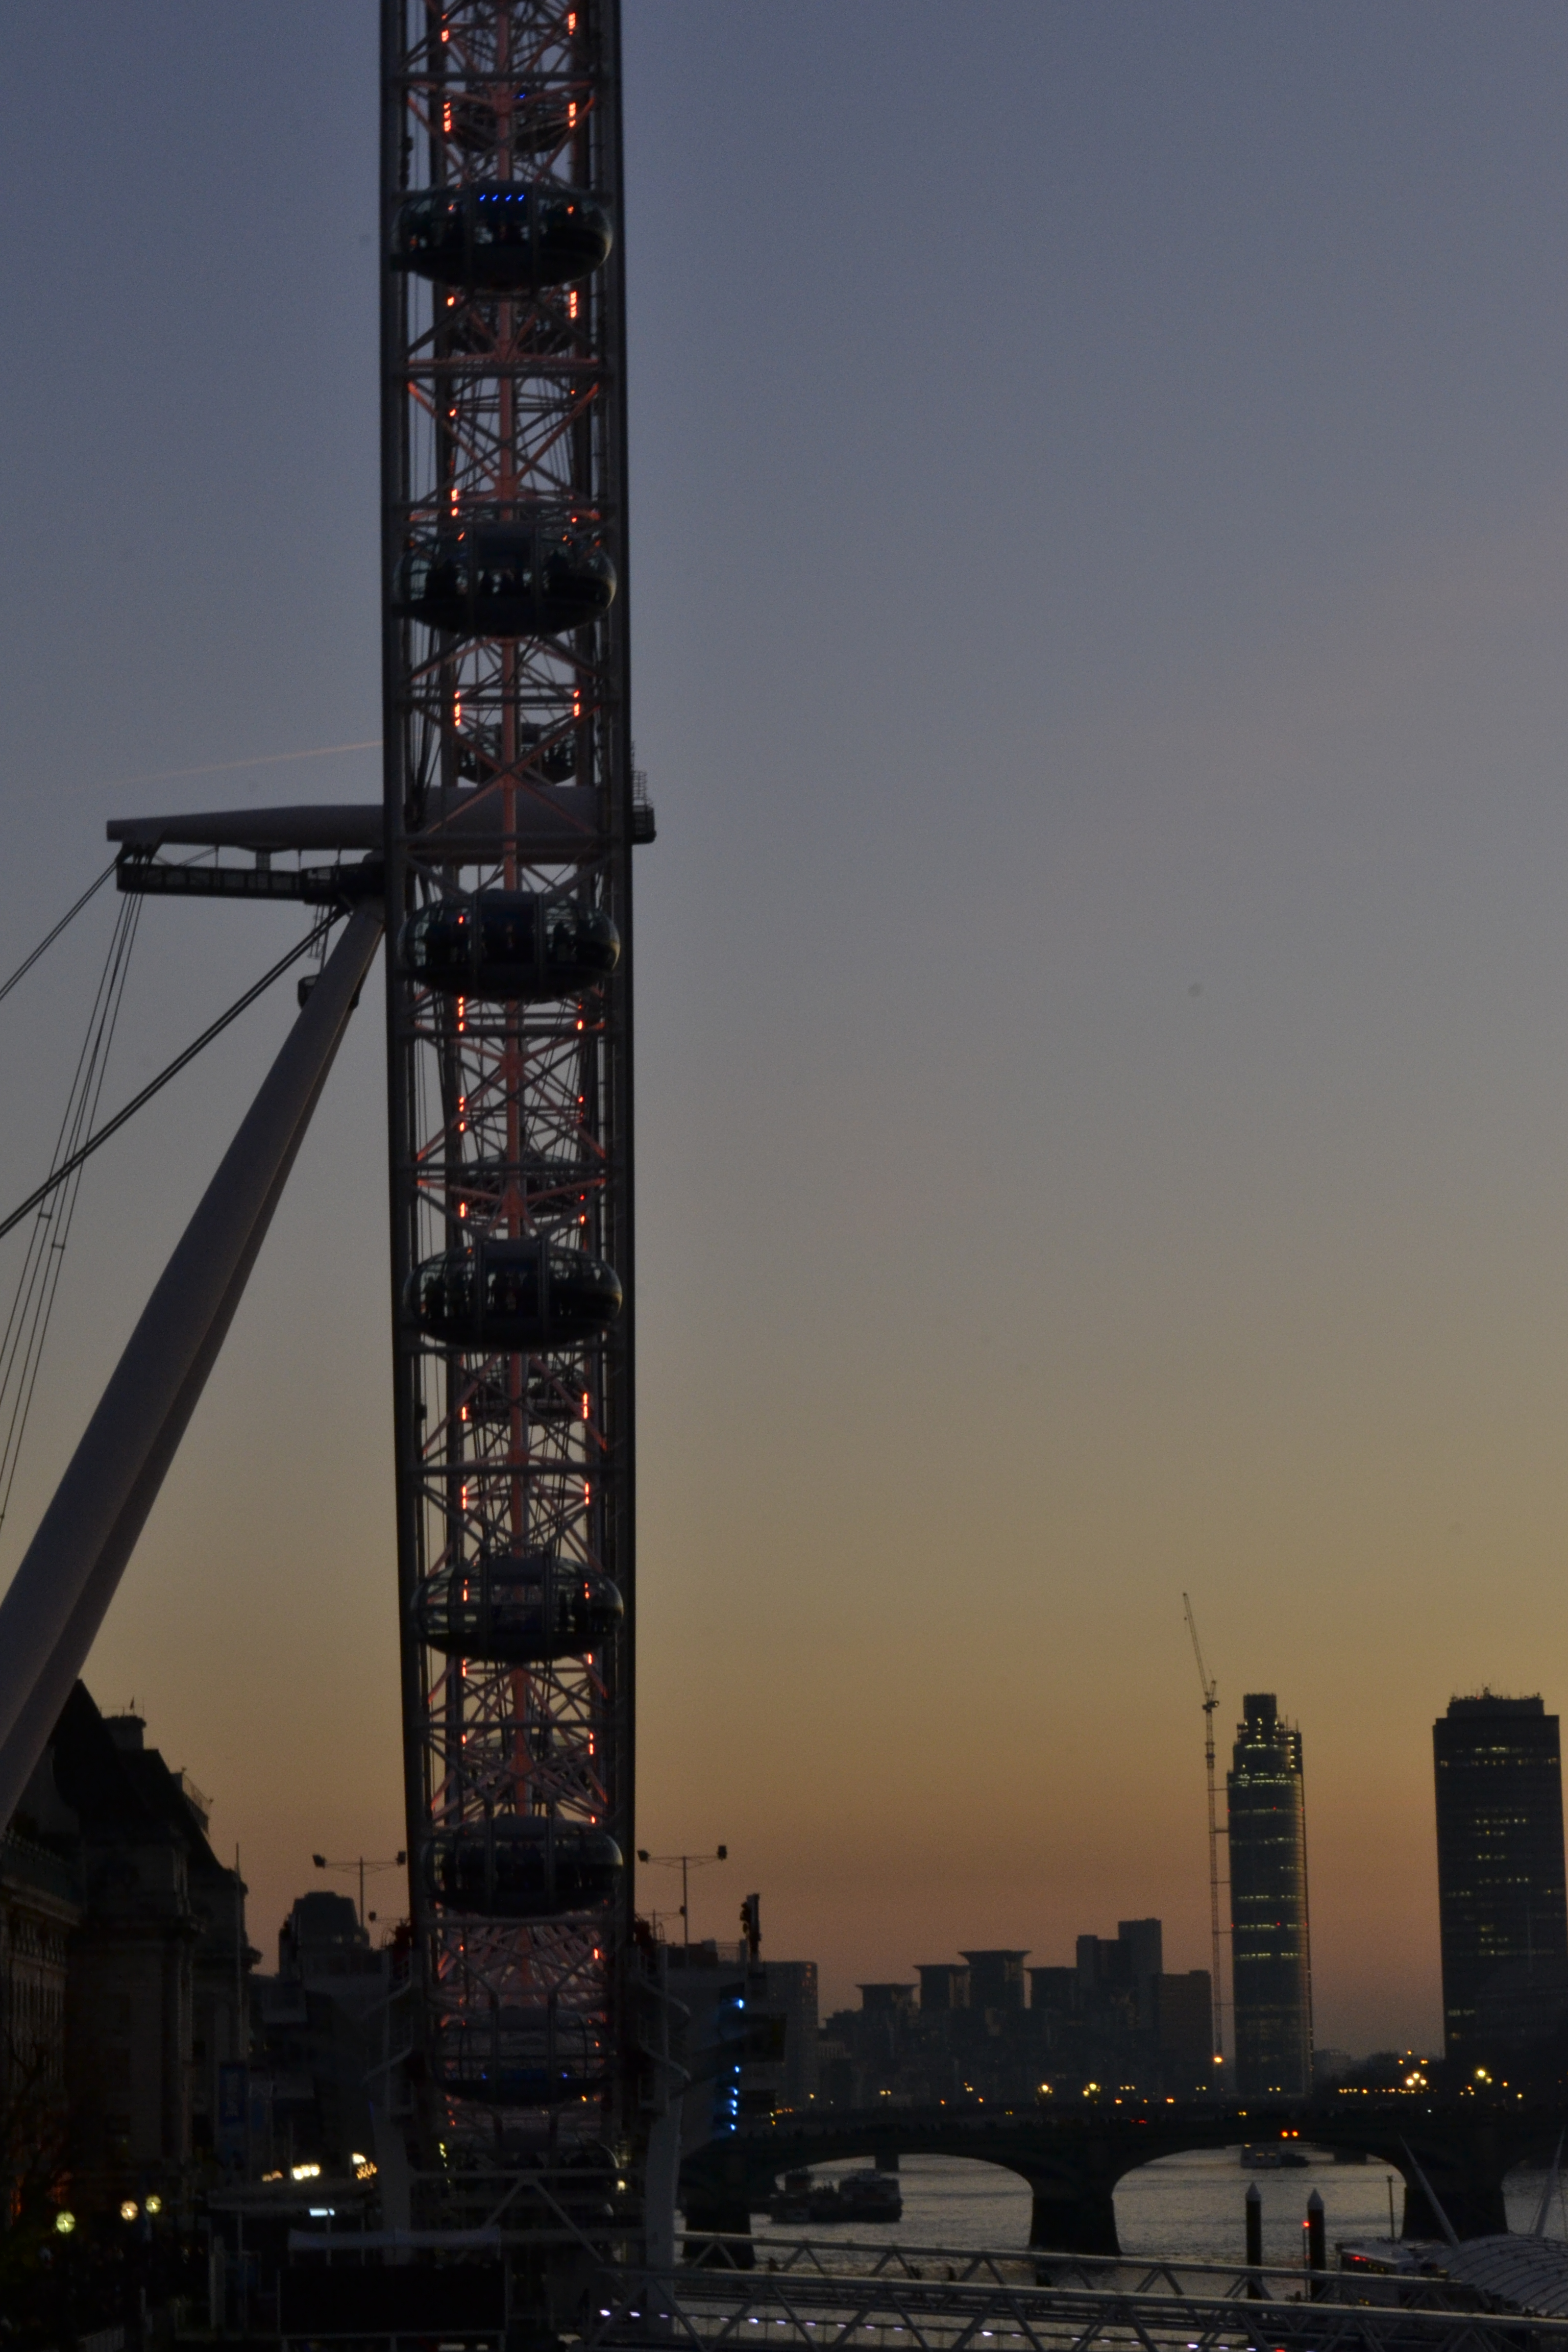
[1526,2183]
[1191,2203]
[1073,2158]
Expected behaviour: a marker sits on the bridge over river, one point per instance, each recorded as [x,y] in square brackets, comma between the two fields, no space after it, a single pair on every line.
[1072,2157]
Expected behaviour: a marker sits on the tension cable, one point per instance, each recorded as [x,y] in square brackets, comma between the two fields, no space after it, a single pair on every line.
[27,962]
[68,1167]
[28,1325]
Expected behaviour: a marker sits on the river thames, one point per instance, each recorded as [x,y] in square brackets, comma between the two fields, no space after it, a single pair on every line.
[1188,2207]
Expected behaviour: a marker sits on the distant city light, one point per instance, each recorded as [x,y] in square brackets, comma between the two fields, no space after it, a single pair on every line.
[304,2173]
[65,2223]
[130,2210]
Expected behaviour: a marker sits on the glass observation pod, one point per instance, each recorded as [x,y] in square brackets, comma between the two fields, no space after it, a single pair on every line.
[523,1295]
[509,946]
[519,1609]
[523,2058]
[536,579]
[502,236]
[523,1868]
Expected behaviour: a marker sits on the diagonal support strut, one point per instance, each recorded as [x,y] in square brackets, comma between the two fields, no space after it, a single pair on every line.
[60,1594]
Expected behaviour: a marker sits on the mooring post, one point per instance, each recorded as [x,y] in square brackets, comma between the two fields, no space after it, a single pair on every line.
[1317,2247]
[1254,2242]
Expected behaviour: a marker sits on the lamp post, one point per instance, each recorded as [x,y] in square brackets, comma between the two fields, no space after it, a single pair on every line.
[398,1862]
[688,1862]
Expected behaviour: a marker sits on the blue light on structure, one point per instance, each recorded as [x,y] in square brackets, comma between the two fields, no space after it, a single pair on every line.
[729,2030]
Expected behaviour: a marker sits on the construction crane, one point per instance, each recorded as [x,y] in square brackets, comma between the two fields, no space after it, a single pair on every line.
[1211,1700]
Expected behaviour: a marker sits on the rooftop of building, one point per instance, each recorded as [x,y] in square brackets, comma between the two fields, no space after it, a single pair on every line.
[709,1952]
[98,1798]
[320,1917]
[99,1779]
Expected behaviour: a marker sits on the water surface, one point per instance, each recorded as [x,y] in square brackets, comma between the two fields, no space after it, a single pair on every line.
[1189,2208]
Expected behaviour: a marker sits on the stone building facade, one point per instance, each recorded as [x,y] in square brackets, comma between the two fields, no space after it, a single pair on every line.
[123,1953]
[39,1912]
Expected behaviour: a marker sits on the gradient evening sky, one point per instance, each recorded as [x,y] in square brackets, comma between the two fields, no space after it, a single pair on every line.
[1101,535]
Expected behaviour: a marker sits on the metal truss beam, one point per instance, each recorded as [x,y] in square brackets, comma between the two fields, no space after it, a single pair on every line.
[508,768]
[316,886]
[546,821]
[1327,2312]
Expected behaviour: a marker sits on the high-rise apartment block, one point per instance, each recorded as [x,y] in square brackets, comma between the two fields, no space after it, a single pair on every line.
[997,1980]
[1271,1970]
[1117,2017]
[1502,1915]
[943,1985]
[1184,2019]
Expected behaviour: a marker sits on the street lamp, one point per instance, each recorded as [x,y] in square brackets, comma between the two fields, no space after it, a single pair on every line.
[362,1866]
[687,1862]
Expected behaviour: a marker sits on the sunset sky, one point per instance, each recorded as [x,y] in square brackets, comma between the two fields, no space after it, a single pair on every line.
[1100,599]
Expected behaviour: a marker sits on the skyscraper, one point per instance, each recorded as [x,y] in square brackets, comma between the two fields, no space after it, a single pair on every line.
[1271,1970]
[1500,1902]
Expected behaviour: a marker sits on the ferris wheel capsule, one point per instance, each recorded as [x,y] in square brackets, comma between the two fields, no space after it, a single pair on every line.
[502,236]
[510,946]
[503,1294]
[522,1866]
[518,1610]
[534,579]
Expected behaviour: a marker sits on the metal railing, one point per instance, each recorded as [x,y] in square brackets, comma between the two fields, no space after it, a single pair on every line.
[1011,2266]
[903,2307]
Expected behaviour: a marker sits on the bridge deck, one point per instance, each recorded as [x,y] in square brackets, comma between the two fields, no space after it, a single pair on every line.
[1073,2158]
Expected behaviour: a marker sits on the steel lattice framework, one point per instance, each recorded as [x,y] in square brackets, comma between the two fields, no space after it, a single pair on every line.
[509,769]
[902,2302]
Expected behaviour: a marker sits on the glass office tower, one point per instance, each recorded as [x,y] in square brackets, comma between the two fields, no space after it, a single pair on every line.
[1271,1970]
[1501,1911]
